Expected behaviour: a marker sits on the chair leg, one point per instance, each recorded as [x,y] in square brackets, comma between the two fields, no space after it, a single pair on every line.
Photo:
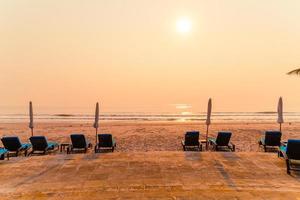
[288,166]
[30,152]
[265,148]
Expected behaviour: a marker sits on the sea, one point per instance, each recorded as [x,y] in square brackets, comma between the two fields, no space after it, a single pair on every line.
[151,116]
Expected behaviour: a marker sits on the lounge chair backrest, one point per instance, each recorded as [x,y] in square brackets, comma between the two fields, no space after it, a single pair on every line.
[192,138]
[293,149]
[11,143]
[39,143]
[223,138]
[272,138]
[105,140]
[78,141]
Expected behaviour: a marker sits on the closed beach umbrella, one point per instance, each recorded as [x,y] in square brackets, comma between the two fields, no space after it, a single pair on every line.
[280,112]
[208,112]
[96,123]
[31,118]
[209,106]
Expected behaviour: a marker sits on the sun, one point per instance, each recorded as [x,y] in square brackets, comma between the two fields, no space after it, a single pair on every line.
[183,25]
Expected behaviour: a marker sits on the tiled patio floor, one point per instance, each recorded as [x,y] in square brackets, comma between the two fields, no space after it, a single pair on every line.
[148,175]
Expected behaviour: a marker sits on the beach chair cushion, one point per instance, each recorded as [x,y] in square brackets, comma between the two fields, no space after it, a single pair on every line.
[3,152]
[26,145]
[272,138]
[282,148]
[79,141]
[293,149]
[52,145]
[191,138]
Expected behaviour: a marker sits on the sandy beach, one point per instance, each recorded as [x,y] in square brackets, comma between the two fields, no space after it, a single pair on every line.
[151,136]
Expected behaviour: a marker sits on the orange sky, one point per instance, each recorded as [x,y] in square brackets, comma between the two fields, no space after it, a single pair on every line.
[129,56]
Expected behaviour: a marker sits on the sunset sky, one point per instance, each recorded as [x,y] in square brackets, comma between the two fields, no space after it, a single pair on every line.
[150,55]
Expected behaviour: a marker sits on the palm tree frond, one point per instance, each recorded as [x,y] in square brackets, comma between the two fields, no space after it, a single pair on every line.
[294,72]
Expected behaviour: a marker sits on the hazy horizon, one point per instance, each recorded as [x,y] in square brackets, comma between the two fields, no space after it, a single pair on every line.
[131,57]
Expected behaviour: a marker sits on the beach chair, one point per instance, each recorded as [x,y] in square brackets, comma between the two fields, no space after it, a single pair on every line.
[105,141]
[41,145]
[191,141]
[222,142]
[271,140]
[3,153]
[79,143]
[291,153]
[13,145]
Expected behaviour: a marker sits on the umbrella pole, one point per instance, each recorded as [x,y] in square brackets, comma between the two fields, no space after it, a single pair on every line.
[31,132]
[207,137]
[280,127]
[96,135]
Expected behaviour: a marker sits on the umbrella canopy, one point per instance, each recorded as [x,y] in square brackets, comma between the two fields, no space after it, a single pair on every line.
[31,117]
[96,123]
[280,112]
[208,112]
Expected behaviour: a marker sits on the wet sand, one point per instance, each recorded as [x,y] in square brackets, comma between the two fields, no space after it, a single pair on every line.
[151,136]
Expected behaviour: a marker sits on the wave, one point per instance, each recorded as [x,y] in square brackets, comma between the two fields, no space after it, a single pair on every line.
[64,115]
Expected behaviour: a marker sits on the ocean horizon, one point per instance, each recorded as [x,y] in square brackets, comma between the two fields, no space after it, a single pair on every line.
[152,116]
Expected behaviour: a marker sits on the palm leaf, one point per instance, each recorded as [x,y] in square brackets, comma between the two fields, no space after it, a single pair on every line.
[294,72]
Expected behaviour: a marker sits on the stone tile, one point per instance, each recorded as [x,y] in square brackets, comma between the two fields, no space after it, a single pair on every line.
[148,175]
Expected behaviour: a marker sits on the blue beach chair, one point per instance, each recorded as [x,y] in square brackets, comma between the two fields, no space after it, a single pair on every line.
[291,153]
[41,145]
[79,143]
[13,145]
[222,142]
[271,140]
[105,141]
[191,141]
